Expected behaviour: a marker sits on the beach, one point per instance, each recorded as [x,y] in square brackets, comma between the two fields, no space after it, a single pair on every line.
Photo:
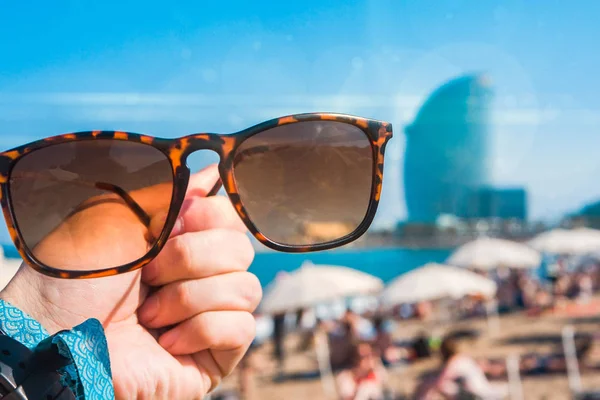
[519,334]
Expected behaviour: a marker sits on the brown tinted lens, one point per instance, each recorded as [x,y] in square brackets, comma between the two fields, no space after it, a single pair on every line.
[305,183]
[91,204]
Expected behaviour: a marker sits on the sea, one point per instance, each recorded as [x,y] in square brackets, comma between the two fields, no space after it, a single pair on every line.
[384,263]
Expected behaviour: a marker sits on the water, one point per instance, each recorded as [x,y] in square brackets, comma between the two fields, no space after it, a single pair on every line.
[385,263]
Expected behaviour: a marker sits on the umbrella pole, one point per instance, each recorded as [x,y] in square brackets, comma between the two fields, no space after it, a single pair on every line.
[322,350]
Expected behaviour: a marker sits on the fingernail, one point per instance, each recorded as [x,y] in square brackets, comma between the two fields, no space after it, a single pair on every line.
[150,272]
[149,309]
[168,339]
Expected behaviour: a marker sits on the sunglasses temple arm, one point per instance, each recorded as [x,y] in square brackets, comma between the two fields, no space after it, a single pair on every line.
[215,189]
[109,187]
[133,205]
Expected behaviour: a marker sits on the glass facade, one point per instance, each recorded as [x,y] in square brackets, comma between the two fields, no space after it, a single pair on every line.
[447,150]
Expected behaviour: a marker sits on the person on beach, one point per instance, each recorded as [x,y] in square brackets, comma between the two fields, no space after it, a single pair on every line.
[279,340]
[366,378]
[461,375]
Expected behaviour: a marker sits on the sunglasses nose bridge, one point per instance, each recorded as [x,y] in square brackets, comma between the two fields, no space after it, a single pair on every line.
[221,144]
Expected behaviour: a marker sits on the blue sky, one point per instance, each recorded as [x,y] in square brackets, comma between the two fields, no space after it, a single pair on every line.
[172,68]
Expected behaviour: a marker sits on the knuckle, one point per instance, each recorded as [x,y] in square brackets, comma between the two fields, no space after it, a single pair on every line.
[183,294]
[251,291]
[181,250]
[244,249]
[207,329]
[246,329]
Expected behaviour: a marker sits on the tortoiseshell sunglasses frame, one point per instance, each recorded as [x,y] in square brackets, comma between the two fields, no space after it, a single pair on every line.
[176,151]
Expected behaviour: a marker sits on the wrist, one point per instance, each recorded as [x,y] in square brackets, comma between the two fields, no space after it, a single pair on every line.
[24,291]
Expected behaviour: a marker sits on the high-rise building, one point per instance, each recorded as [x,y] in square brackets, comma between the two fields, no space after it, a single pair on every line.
[447,150]
[503,203]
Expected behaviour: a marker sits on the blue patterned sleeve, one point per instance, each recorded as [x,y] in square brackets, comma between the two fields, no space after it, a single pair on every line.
[88,374]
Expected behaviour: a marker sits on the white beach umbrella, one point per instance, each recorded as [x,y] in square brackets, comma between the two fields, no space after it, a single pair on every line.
[491,253]
[567,241]
[312,284]
[434,282]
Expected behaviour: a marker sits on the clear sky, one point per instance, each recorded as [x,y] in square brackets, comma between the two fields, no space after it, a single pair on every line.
[172,68]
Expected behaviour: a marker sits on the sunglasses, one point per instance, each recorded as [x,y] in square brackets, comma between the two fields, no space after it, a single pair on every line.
[101,203]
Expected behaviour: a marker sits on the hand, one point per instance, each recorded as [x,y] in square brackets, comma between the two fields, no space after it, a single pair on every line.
[174,328]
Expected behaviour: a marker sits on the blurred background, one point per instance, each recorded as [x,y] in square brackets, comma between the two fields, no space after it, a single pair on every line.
[483,260]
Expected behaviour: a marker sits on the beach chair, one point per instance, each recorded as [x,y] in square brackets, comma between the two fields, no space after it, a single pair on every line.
[515,386]
[573,373]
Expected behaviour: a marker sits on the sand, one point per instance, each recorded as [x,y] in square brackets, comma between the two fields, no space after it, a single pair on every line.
[518,334]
